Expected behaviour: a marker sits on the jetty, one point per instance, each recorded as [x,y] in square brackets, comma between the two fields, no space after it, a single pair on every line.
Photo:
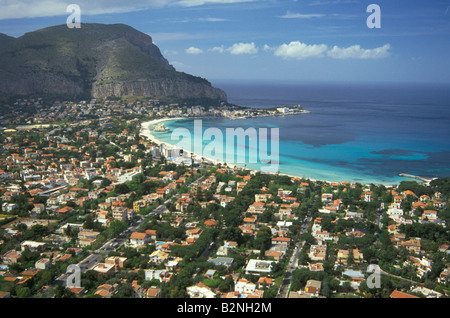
[427,180]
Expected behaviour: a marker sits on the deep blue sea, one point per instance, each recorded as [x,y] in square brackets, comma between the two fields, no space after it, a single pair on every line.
[357,133]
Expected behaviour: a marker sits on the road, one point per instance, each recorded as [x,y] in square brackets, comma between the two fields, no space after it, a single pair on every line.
[94,257]
[293,262]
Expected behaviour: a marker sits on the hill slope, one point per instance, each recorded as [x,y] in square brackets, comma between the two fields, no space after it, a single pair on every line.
[96,60]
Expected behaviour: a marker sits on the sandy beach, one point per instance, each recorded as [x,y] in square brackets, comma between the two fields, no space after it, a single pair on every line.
[147,132]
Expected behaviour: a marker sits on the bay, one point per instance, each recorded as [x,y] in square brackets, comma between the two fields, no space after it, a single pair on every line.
[354,132]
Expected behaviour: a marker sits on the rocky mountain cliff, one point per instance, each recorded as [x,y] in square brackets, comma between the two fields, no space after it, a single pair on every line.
[96,60]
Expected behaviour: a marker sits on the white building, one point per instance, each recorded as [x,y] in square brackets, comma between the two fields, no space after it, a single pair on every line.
[243,286]
[258,267]
[200,291]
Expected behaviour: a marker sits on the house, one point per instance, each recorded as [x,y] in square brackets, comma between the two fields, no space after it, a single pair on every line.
[138,205]
[265,282]
[11,257]
[343,256]
[244,286]
[444,276]
[200,290]
[225,249]
[87,237]
[317,253]
[5,294]
[158,257]
[210,273]
[399,294]
[78,291]
[226,261]
[153,292]
[43,263]
[194,233]
[116,261]
[104,268]
[315,267]
[428,293]
[8,207]
[137,239]
[327,198]
[32,246]
[393,211]
[210,223]
[106,290]
[152,234]
[430,215]
[256,207]
[258,267]
[282,242]
[313,287]
[412,245]
[264,197]
[249,222]
[64,210]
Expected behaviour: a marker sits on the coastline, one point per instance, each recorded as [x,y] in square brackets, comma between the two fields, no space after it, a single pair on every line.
[147,132]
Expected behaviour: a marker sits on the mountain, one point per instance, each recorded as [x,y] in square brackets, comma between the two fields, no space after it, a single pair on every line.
[96,60]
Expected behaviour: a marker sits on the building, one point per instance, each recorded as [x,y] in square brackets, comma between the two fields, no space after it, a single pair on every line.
[399,294]
[43,263]
[258,267]
[87,237]
[137,239]
[313,287]
[226,261]
[200,291]
[244,286]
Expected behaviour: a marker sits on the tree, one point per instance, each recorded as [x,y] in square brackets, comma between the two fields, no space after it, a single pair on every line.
[23,292]
[263,239]
[227,285]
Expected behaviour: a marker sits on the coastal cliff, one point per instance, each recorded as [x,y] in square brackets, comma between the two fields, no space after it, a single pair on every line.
[97,61]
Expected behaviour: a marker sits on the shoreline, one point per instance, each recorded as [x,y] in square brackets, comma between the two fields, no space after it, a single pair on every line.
[147,132]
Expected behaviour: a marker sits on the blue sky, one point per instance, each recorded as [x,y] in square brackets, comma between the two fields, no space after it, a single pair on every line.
[272,40]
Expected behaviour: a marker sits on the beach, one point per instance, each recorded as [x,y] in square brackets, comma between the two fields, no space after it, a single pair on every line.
[188,154]
[147,132]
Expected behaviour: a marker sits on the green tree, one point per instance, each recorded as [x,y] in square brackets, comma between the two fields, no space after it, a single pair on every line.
[23,292]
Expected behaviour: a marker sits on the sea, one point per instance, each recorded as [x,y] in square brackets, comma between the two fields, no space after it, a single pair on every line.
[365,133]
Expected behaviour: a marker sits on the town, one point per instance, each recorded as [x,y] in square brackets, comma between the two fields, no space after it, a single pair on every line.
[80,186]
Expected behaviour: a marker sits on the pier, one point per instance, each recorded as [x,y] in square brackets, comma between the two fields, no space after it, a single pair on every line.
[424,179]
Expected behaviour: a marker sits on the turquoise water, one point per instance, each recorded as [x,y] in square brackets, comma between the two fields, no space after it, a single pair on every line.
[352,134]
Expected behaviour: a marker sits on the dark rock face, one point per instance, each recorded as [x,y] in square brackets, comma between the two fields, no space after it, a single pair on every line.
[96,60]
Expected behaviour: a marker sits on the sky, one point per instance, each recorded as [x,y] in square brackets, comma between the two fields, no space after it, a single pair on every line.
[282,41]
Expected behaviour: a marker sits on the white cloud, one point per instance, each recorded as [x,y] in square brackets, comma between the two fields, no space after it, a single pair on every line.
[268,48]
[46,8]
[356,52]
[291,15]
[213,19]
[13,9]
[193,50]
[179,65]
[322,3]
[243,48]
[175,36]
[170,52]
[299,50]
[218,49]
[193,3]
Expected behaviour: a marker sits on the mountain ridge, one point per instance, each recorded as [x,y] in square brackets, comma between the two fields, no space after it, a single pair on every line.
[96,60]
